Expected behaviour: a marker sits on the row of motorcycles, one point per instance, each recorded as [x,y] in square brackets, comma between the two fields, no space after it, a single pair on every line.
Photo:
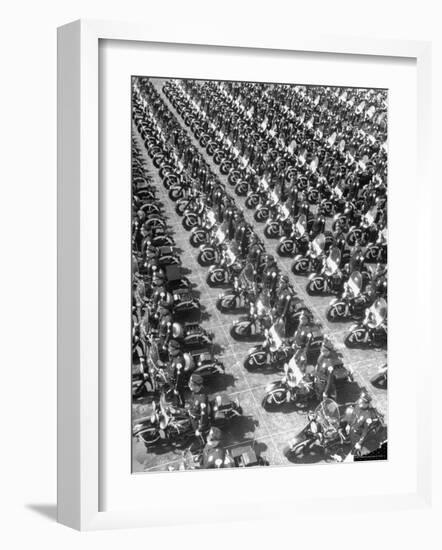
[295,199]
[236,258]
[170,347]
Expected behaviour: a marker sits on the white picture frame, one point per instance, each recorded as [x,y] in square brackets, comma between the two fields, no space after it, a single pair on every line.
[79,264]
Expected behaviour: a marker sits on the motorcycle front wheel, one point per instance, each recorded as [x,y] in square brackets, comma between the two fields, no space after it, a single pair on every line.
[255,361]
[241,331]
[226,304]
[274,399]
[337,312]
[241,188]
[189,222]
[198,238]
[252,201]
[271,231]
[206,257]
[316,286]
[300,267]
[216,278]
[285,249]
[261,215]
[356,338]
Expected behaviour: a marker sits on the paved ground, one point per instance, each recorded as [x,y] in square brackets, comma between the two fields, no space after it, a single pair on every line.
[269,431]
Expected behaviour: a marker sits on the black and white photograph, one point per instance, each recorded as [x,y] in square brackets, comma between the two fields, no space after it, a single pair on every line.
[259,274]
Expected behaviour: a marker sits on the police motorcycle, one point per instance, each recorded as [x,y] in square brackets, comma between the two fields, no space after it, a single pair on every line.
[155,222]
[267,206]
[372,331]
[194,214]
[297,241]
[152,377]
[167,255]
[230,265]
[332,431]
[352,302]
[330,278]
[258,195]
[159,237]
[295,386]
[376,252]
[189,334]
[278,222]
[243,292]
[165,425]
[360,232]
[211,252]
[252,327]
[273,352]
[189,202]
[313,259]
[201,234]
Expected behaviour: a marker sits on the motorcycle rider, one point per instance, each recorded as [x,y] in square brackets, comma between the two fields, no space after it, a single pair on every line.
[214,455]
[270,274]
[178,369]
[358,421]
[303,334]
[197,405]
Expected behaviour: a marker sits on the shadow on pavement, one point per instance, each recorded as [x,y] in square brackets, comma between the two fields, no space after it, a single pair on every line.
[49,511]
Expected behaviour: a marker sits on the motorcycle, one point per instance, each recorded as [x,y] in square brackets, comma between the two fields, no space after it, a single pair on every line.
[313,259]
[330,279]
[172,427]
[224,272]
[200,234]
[184,303]
[253,326]
[372,332]
[210,253]
[298,240]
[204,362]
[351,304]
[240,296]
[273,352]
[277,222]
[291,388]
[322,435]
[190,335]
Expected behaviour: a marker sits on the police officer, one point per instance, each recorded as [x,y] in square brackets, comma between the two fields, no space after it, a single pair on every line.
[214,456]
[359,421]
[303,333]
[197,404]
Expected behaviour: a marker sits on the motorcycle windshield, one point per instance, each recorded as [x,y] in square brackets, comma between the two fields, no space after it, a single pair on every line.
[379,311]
[274,197]
[333,260]
[370,216]
[355,282]
[301,225]
[277,332]
[220,235]
[211,217]
[327,415]
[318,244]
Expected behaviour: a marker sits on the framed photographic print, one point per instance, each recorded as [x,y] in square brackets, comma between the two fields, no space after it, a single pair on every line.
[231,222]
